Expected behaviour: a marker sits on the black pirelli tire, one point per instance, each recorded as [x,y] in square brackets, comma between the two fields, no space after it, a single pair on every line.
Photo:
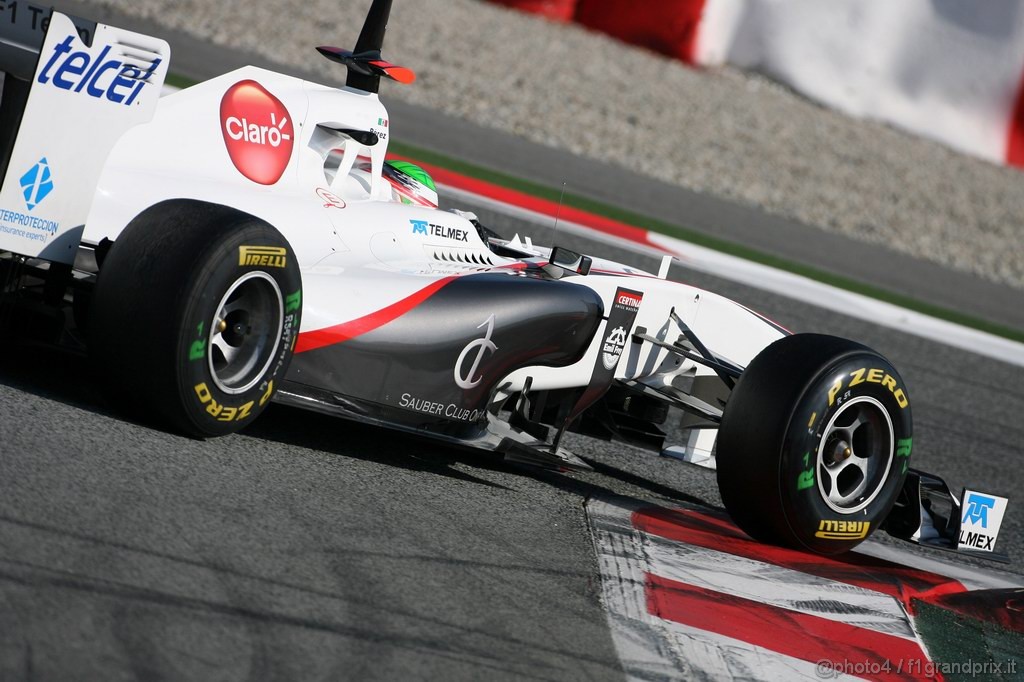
[814,444]
[194,317]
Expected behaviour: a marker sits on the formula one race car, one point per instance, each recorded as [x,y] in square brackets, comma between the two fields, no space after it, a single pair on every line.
[247,240]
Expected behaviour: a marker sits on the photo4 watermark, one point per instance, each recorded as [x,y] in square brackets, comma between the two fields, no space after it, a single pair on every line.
[826,669]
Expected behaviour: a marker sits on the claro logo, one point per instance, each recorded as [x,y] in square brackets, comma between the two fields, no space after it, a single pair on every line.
[258,132]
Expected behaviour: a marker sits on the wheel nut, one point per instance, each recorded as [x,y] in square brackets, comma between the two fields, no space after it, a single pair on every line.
[841,453]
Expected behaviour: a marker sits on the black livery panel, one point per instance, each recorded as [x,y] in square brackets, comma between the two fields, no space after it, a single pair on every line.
[439,362]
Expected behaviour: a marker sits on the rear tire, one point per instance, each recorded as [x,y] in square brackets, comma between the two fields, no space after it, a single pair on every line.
[194,317]
[814,443]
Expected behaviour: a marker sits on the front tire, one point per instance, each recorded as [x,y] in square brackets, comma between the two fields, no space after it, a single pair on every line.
[814,443]
[195,316]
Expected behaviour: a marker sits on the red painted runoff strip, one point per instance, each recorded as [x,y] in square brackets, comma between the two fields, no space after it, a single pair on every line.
[349,330]
[847,648]
[711,532]
[671,27]
[1015,135]
[532,203]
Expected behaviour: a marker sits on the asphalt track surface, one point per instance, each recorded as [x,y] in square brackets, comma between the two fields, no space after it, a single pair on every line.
[312,548]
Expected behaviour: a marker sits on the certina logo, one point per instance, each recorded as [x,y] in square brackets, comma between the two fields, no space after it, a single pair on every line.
[842,530]
[612,348]
[425,228]
[263,256]
[258,132]
[36,184]
[479,348]
[629,300]
[95,75]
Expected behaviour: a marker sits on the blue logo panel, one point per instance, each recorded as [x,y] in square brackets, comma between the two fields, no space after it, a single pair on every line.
[976,509]
[36,184]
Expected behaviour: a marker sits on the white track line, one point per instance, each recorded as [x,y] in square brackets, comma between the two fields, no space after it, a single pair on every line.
[779,282]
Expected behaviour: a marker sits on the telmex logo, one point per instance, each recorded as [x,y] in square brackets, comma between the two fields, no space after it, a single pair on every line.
[976,510]
[258,132]
[97,76]
[425,228]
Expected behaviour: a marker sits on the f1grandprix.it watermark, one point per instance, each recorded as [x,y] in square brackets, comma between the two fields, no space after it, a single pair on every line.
[920,668]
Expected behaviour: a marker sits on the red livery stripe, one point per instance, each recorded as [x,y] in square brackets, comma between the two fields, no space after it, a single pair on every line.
[367,323]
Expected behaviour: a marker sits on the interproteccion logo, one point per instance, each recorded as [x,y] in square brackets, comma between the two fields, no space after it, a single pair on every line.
[37,183]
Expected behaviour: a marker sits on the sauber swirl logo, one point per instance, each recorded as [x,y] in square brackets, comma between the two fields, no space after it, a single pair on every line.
[481,347]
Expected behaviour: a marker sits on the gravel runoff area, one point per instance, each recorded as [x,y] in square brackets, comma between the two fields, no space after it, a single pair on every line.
[721,131]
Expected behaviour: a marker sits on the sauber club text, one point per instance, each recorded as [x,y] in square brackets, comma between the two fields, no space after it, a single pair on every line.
[451,410]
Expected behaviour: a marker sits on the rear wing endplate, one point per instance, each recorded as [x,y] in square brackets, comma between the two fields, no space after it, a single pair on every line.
[86,86]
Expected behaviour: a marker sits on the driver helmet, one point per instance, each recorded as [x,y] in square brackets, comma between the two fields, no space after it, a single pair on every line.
[410,184]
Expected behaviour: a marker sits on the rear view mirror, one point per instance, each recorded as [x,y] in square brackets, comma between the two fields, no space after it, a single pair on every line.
[570,260]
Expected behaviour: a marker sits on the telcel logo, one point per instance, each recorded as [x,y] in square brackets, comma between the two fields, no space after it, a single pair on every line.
[97,76]
[258,132]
